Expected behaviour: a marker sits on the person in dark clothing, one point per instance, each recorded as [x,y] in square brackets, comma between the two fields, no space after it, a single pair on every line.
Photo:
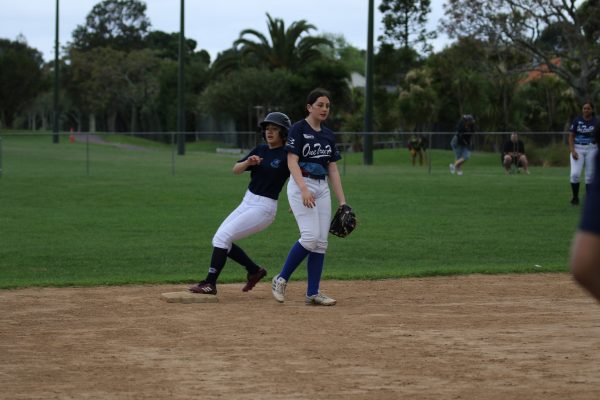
[461,142]
[585,252]
[513,153]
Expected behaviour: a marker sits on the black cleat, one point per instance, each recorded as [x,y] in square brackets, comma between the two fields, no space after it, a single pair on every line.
[254,278]
[204,288]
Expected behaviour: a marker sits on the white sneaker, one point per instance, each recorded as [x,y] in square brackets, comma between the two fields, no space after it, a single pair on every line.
[459,172]
[452,169]
[278,288]
[319,299]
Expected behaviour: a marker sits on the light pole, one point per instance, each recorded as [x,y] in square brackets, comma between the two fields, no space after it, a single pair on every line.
[368,136]
[180,85]
[55,120]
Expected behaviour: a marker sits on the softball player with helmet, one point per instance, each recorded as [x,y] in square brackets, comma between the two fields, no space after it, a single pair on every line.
[583,148]
[267,164]
[312,156]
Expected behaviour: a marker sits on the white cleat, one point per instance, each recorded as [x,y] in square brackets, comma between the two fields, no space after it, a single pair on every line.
[278,288]
[452,169]
[319,299]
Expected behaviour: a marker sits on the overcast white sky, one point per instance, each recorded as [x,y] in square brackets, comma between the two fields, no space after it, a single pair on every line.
[215,25]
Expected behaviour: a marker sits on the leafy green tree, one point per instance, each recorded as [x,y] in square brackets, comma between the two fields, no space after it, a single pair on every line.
[21,78]
[352,58]
[290,48]
[120,24]
[461,82]
[41,110]
[237,95]
[332,76]
[545,30]
[112,84]
[166,45]
[226,62]
[96,83]
[418,101]
[391,64]
[501,66]
[546,104]
[139,72]
[405,23]
[197,77]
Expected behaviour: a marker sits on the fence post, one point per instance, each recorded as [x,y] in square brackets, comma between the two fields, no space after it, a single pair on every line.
[172,154]
[429,154]
[0,156]
[87,154]
[344,161]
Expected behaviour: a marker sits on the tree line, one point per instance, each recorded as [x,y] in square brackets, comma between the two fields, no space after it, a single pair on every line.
[524,65]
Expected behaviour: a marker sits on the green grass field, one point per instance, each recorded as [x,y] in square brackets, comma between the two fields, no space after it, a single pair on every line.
[149,216]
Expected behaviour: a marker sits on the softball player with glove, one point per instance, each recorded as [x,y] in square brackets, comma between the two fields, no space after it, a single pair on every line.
[583,148]
[267,164]
[312,156]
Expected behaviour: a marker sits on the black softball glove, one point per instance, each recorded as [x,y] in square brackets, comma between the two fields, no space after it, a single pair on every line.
[343,222]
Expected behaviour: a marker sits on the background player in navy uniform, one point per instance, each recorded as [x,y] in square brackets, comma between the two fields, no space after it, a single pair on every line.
[312,157]
[461,142]
[268,168]
[583,148]
[585,252]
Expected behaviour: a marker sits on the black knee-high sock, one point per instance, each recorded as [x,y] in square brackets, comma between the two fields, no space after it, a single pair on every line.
[239,256]
[575,190]
[217,262]
[587,188]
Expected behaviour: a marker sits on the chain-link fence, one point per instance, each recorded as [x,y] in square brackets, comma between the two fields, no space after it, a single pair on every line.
[542,148]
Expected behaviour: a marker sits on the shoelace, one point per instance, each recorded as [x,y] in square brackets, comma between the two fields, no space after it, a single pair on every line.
[321,298]
[280,286]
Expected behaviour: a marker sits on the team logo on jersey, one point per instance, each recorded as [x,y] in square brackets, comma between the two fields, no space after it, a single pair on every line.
[276,163]
[309,136]
[316,151]
[585,128]
[291,142]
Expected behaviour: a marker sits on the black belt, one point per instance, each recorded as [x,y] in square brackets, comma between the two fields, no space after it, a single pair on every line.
[585,144]
[307,175]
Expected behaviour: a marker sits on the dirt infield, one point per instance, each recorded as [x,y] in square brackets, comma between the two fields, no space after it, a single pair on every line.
[474,337]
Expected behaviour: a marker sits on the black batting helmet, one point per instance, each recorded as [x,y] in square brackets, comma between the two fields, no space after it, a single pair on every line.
[279,119]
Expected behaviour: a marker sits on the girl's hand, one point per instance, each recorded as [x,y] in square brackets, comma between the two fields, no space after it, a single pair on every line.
[253,160]
[308,199]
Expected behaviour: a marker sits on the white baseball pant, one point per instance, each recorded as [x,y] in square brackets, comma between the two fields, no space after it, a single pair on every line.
[587,154]
[312,222]
[254,214]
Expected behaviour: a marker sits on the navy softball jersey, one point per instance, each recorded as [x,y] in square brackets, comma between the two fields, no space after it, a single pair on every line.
[268,177]
[314,149]
[590,221]
[583,130]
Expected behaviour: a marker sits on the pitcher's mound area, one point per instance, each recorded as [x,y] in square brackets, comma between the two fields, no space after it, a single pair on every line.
[534,337]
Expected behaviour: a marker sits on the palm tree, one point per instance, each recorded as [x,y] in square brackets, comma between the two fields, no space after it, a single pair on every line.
[287,49]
